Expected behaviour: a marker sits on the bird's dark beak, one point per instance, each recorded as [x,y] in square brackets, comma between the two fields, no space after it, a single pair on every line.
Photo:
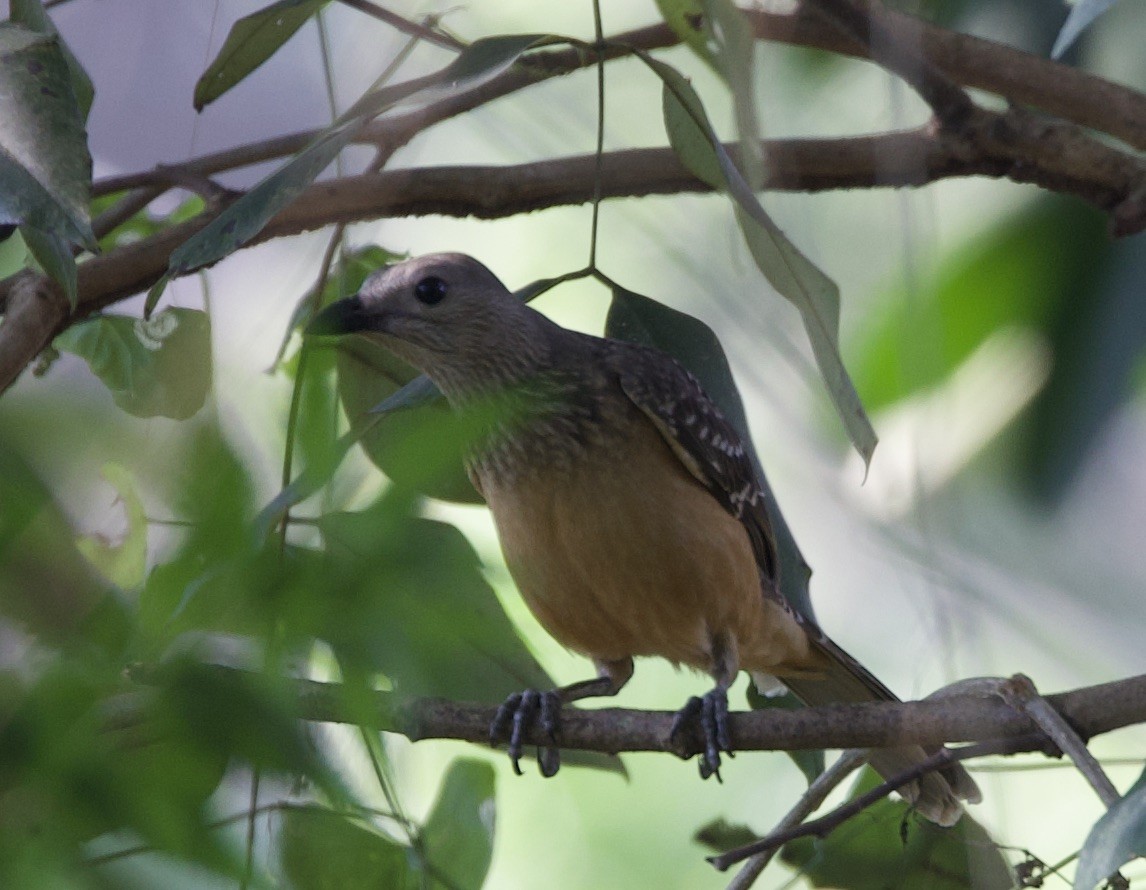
[344,317]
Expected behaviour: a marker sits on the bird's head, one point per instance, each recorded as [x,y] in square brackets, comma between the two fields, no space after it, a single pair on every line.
[448,316]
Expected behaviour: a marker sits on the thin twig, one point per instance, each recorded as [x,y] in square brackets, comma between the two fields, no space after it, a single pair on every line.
[810,801]
[823,826]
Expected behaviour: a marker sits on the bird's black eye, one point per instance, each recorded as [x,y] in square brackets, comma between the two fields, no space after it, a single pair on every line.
[431,290]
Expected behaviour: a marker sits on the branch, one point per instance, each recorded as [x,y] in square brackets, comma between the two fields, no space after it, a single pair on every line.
[1091,711]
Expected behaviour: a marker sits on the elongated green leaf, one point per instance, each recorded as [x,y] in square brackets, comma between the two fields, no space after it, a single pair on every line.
[791,273]
[246,217]
[458,836]
[323,850]
[31,14]
[45,168]
[1081,17]
[55,257]
[1115,839]
[252,40]
[156,367]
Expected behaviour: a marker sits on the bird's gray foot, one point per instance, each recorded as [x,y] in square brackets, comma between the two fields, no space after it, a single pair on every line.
[517,715]
[711,711]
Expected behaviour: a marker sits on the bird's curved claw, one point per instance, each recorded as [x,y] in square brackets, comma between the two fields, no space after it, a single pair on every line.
[514,718]
[711,711]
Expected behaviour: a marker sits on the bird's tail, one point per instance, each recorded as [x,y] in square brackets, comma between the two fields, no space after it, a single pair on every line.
[935,795]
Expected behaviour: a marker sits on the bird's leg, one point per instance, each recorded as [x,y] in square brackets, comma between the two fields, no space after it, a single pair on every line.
[711,709]
[519,712]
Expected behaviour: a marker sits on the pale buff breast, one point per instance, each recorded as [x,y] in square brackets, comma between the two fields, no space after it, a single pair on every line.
[626,554]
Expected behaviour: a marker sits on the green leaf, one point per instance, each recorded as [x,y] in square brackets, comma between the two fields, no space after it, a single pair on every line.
[31,14]
[458,836]
[252,40]
[1115,839]
[125,563]
[690,341]
[408,598]
[720,836]
[156,367]
[885,846]
[326,850]
[791,273]
[55,257]
[45,168]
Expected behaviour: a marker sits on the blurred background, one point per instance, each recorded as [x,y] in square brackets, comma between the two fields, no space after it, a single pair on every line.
[995,334]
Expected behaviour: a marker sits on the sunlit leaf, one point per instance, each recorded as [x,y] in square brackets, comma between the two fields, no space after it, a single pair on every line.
[251,41]
[31,14]
[327,850]
[123,563]
[160,366]
[791,273]
[1115,839]
[45,168]
[1081,17]
[457,840]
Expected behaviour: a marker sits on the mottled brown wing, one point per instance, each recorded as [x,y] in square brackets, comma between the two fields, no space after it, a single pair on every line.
[700,436]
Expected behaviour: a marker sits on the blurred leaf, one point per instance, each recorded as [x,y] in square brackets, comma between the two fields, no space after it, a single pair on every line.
[243,714]
[810,763]
[45,168]
[720,836]
[219,577]
[327,850]
[735,51]
[791,273]
[124,563]
[245,218]
[54,255]
[421,444]
[160,366]
[1014,274]
[886,846]
[458,836]
[31,14]
[252,40]
[690,341]
[1115,839]
[687,19]
[1081,17]
[46,586]
[406,596]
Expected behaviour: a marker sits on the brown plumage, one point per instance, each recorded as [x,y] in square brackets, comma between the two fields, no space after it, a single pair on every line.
[629,514]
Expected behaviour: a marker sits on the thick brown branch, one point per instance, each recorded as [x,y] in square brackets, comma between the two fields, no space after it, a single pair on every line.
[1015,144]
[1091,711]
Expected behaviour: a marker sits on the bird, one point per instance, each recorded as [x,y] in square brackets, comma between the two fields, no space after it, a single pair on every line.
[626,506]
